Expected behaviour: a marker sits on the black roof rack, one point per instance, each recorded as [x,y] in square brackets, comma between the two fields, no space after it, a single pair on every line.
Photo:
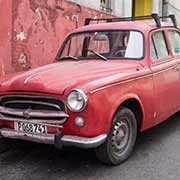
[137,18]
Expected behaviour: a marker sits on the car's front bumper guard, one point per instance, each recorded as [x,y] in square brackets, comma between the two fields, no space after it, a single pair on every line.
[58,139]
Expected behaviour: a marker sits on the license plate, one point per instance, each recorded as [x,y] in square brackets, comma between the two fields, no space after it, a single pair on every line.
[30,128]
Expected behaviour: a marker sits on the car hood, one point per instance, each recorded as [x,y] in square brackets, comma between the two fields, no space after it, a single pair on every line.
[57,77]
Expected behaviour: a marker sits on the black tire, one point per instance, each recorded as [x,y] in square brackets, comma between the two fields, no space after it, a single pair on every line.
[121,139]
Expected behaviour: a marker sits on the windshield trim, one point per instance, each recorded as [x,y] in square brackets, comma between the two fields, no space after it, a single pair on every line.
[60,51]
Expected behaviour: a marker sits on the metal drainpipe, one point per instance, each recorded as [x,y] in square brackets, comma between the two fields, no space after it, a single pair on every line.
[165,7]
[122,9]
[155,6]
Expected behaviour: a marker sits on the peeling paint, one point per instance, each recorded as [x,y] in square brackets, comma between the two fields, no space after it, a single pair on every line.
[38,13]
[2,69]
[22,59]
[21,36]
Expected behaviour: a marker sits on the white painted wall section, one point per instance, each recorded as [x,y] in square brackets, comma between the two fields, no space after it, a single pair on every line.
[127,8]
[93,4]
[172,7]
[119,7]
[122,8]
[175,3]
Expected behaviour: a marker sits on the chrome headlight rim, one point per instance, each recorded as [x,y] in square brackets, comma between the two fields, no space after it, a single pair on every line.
[83,95]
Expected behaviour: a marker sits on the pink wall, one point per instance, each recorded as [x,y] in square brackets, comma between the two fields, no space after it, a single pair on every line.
[31,31]
[5,36]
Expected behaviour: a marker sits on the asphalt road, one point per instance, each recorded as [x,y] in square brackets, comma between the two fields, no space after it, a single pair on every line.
[156,157]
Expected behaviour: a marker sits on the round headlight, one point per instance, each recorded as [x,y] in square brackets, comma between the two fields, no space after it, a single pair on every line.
[76,100]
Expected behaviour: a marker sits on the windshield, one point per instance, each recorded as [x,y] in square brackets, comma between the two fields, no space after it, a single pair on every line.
[118,44]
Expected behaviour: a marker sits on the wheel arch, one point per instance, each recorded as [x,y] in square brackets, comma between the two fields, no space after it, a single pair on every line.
[134,103]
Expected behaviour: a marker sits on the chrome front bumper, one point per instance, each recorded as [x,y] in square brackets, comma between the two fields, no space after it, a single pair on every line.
[57,139]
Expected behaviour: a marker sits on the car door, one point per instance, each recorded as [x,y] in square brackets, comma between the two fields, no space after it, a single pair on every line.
[165,76]
[174,38]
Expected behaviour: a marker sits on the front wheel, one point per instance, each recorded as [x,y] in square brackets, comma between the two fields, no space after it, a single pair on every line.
[121,139]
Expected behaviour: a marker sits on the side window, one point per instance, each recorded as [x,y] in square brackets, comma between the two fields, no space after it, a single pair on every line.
[158,47]
[153,51]
[174,37]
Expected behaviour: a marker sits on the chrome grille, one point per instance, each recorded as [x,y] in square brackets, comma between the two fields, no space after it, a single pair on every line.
[32,108]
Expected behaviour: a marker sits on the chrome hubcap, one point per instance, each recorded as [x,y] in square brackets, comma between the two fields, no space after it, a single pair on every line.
[120,136]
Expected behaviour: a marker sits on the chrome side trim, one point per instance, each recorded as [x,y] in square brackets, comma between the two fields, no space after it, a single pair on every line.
[67,140]
[162,62]
[132,79]
[121,82]
[166,69]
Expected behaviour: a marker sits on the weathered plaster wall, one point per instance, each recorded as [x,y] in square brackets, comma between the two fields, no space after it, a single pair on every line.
[5,36]
[31,31]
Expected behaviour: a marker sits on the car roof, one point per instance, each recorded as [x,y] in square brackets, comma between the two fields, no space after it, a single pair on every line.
[144,26]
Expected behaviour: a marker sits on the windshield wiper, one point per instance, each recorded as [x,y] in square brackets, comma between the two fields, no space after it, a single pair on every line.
[97,54]
[68,57]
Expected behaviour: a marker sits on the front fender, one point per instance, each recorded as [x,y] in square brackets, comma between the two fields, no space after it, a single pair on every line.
[100,111]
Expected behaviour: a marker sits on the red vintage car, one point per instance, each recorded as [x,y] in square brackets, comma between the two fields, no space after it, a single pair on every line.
[109,81]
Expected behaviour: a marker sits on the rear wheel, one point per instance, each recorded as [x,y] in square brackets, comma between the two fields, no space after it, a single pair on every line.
[121,139]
